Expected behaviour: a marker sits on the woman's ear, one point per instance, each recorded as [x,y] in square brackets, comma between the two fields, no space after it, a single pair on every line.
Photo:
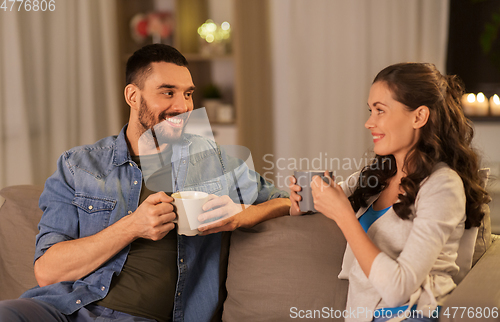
[421,116]
[131,94]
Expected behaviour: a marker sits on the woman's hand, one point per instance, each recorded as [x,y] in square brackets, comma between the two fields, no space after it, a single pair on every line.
[295,197]
[330,199]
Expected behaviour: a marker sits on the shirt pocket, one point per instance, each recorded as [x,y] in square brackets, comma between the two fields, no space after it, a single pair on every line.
[211,187]
[93,213]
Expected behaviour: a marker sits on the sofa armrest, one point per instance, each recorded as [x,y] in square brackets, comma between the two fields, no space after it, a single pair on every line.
[19,217]
[478,292]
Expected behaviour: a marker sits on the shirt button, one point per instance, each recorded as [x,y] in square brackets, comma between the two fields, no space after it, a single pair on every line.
[135,182]
[102,288]
[91,207]
[183,161]
[182,260]
[130,212]
[78,302]
[130,163]
[179,294]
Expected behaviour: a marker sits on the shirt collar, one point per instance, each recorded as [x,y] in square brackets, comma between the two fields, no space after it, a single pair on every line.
[121,154]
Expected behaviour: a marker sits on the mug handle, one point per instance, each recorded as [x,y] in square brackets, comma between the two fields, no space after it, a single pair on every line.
[175,211]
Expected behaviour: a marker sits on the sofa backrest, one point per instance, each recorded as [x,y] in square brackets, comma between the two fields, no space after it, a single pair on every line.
[285,267]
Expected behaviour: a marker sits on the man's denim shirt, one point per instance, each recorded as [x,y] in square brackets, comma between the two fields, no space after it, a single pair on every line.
[97,185]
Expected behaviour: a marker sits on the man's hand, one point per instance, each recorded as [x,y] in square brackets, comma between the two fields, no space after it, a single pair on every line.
[153,218]
[224,210]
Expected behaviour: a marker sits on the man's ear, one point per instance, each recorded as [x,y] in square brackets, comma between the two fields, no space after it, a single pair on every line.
[132,96]
[421,116]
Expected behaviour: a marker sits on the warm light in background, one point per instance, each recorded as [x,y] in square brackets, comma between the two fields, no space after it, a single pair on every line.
[211,32]
[495,105]
[225,25]
[216,37]
[496,99]
[480,105]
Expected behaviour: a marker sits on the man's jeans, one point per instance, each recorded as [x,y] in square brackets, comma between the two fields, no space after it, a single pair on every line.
[29,310]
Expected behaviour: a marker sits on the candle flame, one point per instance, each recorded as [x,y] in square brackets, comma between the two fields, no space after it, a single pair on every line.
[471,98]
[480,97]
[496,99]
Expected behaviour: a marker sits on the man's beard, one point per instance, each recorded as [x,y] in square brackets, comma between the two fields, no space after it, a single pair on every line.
[160,128]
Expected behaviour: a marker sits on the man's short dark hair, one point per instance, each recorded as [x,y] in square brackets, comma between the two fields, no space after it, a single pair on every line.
[138,64]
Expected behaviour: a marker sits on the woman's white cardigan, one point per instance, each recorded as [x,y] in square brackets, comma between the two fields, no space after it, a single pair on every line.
[418,258]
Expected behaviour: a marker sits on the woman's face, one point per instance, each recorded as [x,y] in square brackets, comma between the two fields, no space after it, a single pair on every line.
[391,124]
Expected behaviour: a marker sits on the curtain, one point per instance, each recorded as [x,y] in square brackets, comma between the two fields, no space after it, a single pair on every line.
[325,54]
[59,85]
[253,83]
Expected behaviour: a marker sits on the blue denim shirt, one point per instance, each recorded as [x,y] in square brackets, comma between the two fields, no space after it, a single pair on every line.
[97,185]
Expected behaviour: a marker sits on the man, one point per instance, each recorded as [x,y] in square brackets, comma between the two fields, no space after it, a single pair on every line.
[107,247]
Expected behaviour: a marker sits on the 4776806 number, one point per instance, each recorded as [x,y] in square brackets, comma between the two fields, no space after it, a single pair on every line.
[28,5]
[470,312]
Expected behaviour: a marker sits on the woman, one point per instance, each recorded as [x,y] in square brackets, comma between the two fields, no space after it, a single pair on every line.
[405,214]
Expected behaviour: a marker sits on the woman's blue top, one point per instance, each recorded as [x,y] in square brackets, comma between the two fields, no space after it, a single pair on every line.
[370,216]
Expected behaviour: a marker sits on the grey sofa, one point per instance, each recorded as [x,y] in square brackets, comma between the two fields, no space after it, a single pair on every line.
[280,270]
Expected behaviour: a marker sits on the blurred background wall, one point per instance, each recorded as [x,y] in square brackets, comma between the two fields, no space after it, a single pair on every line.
[58,83]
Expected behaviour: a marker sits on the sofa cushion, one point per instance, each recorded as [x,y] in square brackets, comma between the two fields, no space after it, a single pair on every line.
[285,265]
[19,217]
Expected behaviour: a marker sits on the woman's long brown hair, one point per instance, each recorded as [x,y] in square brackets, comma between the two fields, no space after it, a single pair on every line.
[446,137]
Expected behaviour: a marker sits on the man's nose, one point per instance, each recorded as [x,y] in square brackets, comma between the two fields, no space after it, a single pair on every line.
[181,104]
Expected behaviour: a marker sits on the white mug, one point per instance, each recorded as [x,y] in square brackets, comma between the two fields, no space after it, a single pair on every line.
[189,206]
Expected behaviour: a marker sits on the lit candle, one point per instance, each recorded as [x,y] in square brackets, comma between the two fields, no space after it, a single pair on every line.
[495,105]
[482,105]
[469,104]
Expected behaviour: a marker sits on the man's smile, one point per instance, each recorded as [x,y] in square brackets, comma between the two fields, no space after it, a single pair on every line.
[175,121]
